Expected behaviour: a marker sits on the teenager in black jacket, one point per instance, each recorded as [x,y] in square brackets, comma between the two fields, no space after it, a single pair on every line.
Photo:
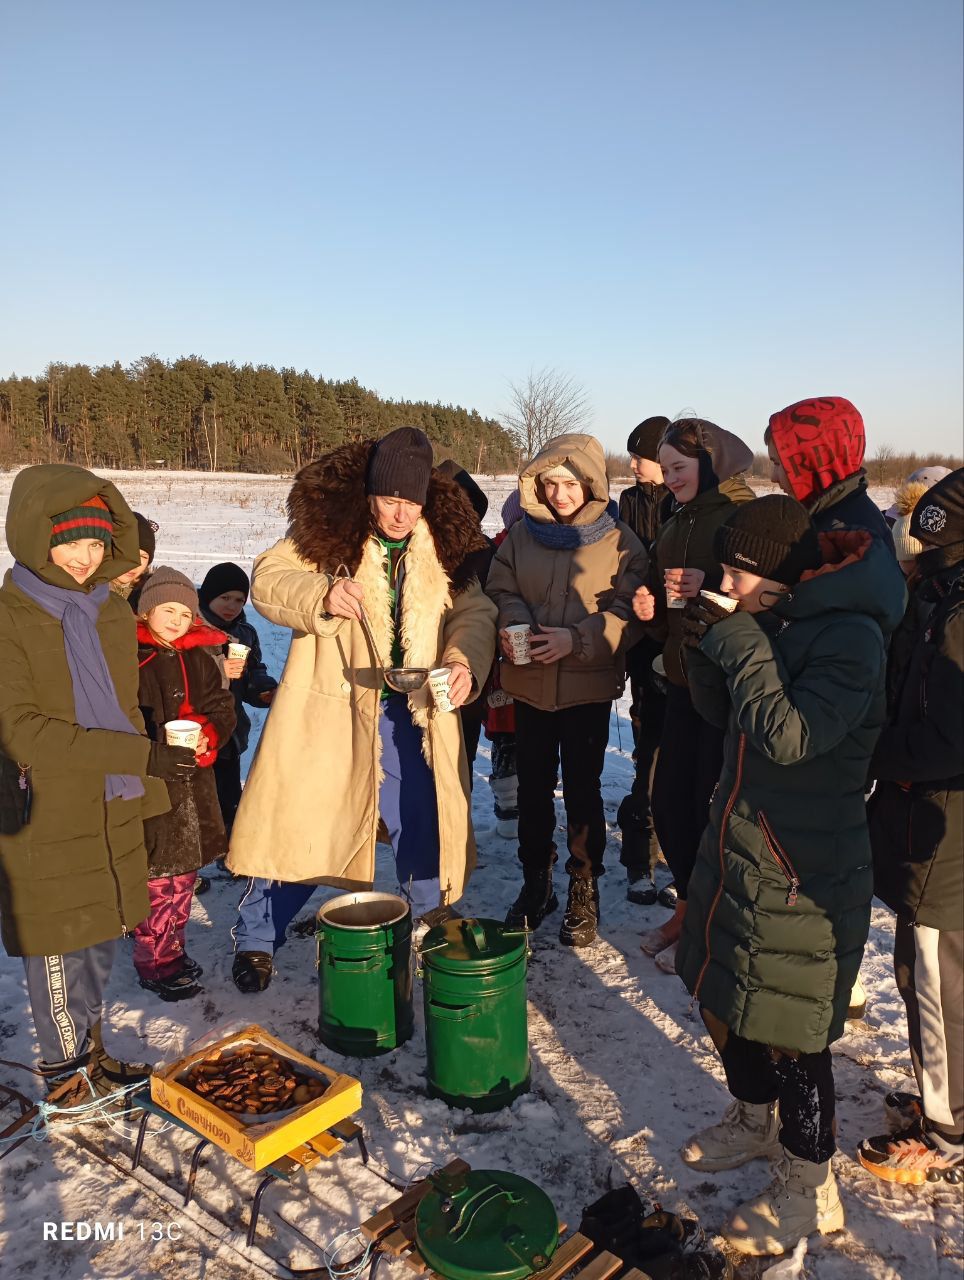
[223,595]
[917,835]
[644,507]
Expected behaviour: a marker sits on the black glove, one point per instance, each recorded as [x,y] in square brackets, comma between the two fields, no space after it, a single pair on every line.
[170,763]
[698,616]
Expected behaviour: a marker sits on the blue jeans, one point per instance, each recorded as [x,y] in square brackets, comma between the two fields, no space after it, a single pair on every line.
[409,810]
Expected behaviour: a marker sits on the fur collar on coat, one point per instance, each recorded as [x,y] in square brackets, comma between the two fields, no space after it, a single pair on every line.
[331,523]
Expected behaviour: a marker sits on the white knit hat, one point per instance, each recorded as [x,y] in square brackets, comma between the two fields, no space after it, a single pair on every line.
[906,547]
[560,471]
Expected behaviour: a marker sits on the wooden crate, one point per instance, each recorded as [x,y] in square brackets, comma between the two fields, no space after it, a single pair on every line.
[256,1145]
[393,1229]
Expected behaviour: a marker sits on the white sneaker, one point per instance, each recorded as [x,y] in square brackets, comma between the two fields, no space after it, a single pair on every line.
[801,1199]
[748,1131]
[666,959]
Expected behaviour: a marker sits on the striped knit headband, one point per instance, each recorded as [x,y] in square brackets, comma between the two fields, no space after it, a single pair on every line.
[90,520]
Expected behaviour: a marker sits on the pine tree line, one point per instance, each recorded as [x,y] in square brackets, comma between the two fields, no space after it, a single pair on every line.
[190,414]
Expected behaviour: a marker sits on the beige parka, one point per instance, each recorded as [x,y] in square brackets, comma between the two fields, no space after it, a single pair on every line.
[309,811]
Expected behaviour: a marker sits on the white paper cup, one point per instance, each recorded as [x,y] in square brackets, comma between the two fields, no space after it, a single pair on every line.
[724,602]
[519,637]
[438,680]
[236,650]
[182,733]
[674,601]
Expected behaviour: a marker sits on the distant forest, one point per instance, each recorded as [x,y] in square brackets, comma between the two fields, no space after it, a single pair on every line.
[189,414]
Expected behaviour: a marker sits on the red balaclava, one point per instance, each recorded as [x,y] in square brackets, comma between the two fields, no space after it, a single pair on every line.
[818,442]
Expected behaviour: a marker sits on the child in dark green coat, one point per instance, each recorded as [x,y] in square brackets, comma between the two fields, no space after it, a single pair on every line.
[779,904]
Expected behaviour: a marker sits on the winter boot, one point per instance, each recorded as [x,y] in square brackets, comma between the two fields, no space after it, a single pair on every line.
[658,940]
[68,1083]
[748,1131]
[913,1157]
[800,1200]
[116,1072]
[177,986]
[667,896]
[581,921]
[192,968]
[252,971]
[640,887]
[536,901]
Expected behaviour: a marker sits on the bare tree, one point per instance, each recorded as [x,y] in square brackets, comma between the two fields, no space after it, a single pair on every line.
[547,404]
[883,464]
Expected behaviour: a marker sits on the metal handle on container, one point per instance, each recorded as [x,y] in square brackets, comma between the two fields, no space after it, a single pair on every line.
[473,932]
[454,1013]
[363,964]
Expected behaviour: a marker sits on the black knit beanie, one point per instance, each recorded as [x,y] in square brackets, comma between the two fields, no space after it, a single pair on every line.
[644,439]
[146,529]
[938,518]
[400,466]
[221,579]
[772,537]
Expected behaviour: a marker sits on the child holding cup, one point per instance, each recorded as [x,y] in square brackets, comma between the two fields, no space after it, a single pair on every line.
[184,702]
[702,466]
[223,595]
[563,581]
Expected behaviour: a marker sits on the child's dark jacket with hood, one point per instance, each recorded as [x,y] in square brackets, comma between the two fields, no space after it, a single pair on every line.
[685,539]
[184,683]
[779,899]
[254,679]
[917,810]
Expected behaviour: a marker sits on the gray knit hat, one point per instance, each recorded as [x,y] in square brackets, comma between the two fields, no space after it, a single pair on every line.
[167,586]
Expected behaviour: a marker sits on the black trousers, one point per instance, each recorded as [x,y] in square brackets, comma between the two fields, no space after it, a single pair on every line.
[578,737]
[640,848]
[227,779]
[803,1086]
[687,770]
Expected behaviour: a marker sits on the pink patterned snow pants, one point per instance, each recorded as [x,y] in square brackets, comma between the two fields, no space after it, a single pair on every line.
[159,940]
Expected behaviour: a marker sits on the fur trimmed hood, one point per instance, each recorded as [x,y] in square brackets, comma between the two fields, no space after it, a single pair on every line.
[331,522]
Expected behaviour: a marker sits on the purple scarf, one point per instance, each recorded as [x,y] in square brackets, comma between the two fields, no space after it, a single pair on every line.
[95,698]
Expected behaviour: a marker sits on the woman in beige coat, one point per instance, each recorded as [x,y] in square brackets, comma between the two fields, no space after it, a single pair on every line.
[339,750]
[567,570]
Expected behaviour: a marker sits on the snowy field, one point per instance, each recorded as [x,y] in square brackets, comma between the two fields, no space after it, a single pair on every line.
[621,1070]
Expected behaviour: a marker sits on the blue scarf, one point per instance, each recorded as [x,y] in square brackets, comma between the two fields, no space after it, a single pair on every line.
[567,537]
[95,698]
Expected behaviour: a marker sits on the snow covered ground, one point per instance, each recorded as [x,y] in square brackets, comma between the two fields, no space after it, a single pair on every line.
[621,1070]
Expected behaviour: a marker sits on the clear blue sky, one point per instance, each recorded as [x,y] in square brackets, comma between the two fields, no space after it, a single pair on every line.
[718,204]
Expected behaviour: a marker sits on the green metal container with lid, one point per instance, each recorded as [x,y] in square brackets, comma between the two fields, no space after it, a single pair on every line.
[485,1224]
[476,1028]
[364,947]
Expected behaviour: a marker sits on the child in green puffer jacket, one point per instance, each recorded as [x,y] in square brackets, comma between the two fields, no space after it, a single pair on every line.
[779,903]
